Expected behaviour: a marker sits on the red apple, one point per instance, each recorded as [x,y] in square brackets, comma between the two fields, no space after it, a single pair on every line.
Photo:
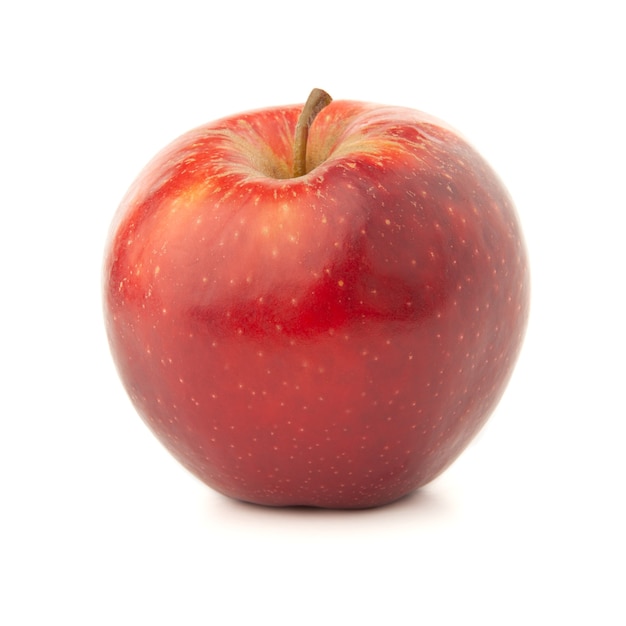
[328,330]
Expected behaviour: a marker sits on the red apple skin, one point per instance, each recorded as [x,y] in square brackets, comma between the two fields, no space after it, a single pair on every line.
[332,340]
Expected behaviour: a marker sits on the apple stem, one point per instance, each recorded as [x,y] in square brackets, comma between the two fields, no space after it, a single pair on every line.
[317,100]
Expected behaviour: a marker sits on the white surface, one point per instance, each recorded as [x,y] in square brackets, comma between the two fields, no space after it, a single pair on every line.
[99,525]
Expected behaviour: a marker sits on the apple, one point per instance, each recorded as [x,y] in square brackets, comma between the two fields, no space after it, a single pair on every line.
[316,305]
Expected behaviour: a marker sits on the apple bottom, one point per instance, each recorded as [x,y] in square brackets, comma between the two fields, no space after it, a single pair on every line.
[356,418]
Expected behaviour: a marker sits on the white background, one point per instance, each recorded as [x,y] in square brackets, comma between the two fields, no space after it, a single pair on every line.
[98,525]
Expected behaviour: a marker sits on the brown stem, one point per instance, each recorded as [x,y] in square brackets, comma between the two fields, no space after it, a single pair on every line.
[316,101]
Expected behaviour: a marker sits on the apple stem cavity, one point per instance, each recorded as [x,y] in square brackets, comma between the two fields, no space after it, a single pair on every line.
[317,100]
